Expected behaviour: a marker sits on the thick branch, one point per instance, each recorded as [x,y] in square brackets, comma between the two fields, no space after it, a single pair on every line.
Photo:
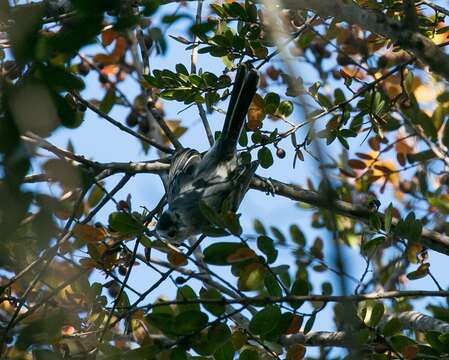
[431,239]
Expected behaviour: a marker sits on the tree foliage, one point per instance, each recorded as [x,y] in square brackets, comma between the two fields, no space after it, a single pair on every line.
[358,89]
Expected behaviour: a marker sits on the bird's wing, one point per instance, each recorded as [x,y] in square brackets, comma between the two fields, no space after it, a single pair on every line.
[246,172]
[182,168]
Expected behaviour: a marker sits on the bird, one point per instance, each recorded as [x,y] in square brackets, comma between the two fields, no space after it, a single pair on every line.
[213,177]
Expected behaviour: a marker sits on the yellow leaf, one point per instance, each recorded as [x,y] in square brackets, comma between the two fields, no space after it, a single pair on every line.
[176,129]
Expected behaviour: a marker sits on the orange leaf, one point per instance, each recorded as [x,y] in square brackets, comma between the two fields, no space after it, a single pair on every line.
[110,69]
[108,36]
[120,47]
[89,233]
[241,254]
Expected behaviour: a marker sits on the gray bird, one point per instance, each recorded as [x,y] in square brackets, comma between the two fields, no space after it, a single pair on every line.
[212,177]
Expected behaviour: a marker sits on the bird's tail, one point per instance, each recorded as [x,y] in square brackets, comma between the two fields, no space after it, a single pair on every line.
[244,89]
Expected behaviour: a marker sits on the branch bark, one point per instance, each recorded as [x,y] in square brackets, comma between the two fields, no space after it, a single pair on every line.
[431,239]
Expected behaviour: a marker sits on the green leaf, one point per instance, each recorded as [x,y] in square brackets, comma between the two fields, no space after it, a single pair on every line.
[265,157]
[108,101]
[300,287]
[265,320]
[309,324]
[125,224]
[249,354]
[272,285]
[259,227]
[187,293]
[393,326]
[150,7]
[189,322]
[297,235]
[203,28]
[388,218]
[178,353]
[218,334]
[60,79]
[278,235]
[225,352]
[218,253]
[212,294]
[95,196]
[272,101]
[266,245]
[374,312]
[232,223]
[286,108]
[400,342]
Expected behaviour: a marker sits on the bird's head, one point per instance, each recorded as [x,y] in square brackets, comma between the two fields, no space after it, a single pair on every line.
[171,228]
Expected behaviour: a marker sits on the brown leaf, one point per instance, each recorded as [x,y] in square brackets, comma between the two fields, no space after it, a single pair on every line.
[296,352]
[295,324]
[356,164]
[88,233]
[364,156]
[176,258]
[273,73]
[256,113]
[410,351]
[348,173]
[374,143]
[104,59]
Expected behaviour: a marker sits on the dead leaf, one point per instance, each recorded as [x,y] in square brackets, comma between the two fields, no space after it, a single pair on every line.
[89,233]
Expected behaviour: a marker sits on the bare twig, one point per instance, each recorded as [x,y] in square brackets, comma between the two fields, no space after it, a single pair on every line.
[121,126]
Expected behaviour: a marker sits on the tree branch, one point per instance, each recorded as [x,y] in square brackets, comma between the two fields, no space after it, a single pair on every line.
[381,24]
[431,239]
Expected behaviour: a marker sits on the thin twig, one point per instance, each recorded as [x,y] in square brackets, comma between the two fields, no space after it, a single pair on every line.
[194,61]
[121,126]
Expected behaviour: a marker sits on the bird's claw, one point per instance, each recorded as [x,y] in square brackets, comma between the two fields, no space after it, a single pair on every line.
[271,190]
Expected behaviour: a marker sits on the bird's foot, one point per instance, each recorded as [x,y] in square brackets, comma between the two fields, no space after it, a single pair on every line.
[269,187]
